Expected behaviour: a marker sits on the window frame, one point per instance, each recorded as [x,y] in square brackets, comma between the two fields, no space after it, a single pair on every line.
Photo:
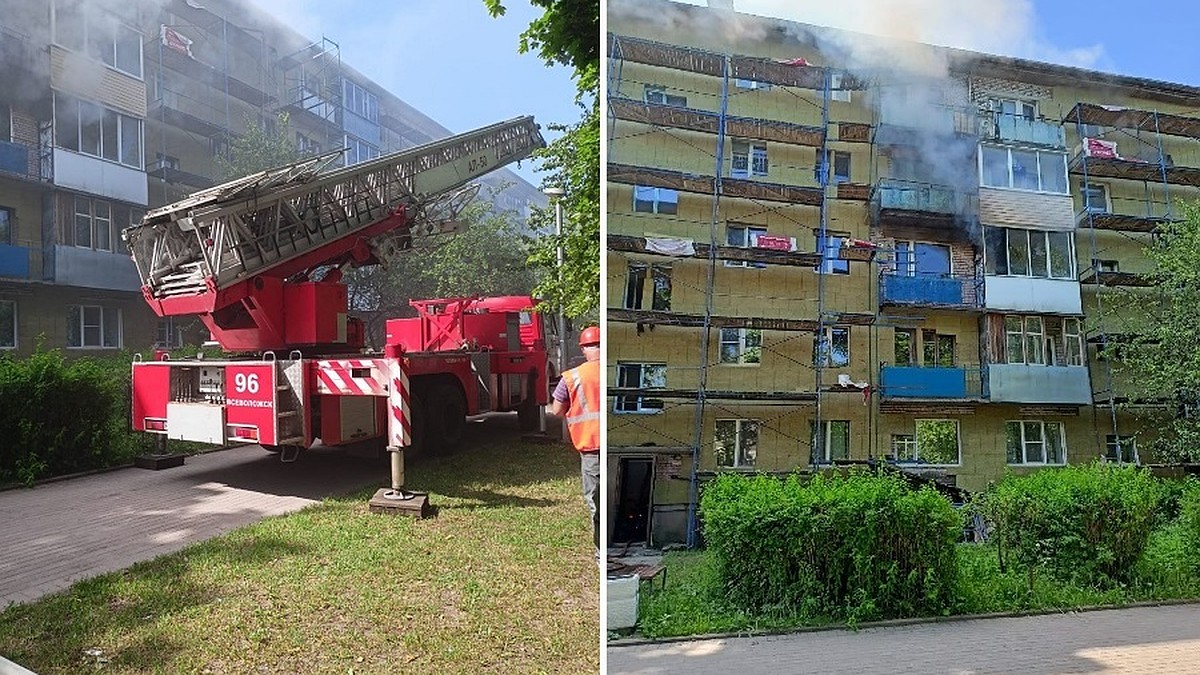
[916,457]
[657,202]
[82,322]
[637,273]
[174,336]
[739,452]
[1043,442]
[69,105]
[1090,185]
[743,83]
[749,239]
[829,248]
[1037,169]
[8,221]
[1110,446]
[824,441]
[639,404]
[1013,236]
[745,343]
[656,93]
[753,154]
[823,347]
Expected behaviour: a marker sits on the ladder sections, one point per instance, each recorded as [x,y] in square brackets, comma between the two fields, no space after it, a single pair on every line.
[289,219]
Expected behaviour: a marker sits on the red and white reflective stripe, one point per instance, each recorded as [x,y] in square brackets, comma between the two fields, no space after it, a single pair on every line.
[337,377]
[399,425]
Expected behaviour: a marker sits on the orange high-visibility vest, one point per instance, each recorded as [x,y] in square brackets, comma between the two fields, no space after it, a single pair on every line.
[583,417]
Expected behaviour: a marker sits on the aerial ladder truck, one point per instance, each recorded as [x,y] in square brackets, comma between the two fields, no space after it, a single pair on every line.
[259,261]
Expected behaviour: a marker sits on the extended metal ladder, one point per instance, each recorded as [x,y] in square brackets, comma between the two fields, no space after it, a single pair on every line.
[229,233]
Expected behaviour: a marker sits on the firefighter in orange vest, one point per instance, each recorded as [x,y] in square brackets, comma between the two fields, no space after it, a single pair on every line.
[578,396]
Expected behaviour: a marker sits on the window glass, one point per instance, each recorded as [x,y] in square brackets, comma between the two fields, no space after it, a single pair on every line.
[1060,255]
[129,51]
[635,282]
[102,226]
[1014,449]
[933,259]
[83,223]
[112,327]
[6,225]
[108,135]
[1013,328]
[1018,252]
[661,277]
[903,344]
[1053,168]
[1024,169]
[937,441]
[1033,340]
[131,141]
[995,167]
[996,243]
[1037,254]
[1055,452]
[89,128]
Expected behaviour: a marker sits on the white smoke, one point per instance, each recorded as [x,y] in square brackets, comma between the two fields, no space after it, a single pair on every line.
[1003,27]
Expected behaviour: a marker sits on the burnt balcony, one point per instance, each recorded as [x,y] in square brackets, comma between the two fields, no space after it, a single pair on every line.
[937,383]
[898,199]
[951,291]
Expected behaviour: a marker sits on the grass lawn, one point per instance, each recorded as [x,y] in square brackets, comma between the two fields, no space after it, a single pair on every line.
[501,580]
[693,603]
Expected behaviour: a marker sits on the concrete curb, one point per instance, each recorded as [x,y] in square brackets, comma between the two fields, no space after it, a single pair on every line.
[93,472]
[894,623]
[9,668]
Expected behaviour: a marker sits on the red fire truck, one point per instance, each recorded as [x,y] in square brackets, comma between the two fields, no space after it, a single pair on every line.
[260,261]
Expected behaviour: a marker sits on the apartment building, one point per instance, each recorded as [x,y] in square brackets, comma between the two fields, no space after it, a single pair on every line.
[826,248]
[110,109]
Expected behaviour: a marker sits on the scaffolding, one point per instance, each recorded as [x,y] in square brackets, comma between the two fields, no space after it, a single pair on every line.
[658,111]
[1125,144]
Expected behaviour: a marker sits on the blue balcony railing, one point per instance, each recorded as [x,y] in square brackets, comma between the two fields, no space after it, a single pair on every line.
[929,290]
[962,382]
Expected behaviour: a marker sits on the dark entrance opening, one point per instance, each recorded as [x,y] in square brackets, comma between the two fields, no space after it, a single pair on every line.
[636,476]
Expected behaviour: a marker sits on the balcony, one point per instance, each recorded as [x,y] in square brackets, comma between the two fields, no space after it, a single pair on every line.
[930,290]
[916,382]
[1018,129]
[1032,294]
[896,198]
[1023,383]
[71,266]
[14,261]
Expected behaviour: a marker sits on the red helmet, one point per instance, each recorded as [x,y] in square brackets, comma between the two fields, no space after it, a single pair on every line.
[590,337]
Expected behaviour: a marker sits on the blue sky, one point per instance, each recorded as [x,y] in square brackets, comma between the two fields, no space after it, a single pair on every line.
[1153,39]
[448,58]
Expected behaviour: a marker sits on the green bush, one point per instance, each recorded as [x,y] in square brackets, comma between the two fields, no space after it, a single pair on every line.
[63,416]
[1085,524]
[857,547]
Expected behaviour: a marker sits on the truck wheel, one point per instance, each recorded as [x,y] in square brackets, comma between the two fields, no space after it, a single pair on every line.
[527,414]
[445,416]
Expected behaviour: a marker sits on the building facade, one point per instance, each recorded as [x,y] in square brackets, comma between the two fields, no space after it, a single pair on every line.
[110,109]
[828,249]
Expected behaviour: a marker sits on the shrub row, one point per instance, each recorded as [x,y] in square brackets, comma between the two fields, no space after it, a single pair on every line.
[867,546]
[60,416]
[857,547]
[1085,524]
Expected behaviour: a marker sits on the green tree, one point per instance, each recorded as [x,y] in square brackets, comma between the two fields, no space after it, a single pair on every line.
[263,146]
[568,33]
[1155,358]
[486,258]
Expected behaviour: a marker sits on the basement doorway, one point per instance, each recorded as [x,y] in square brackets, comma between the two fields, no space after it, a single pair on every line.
[635,479]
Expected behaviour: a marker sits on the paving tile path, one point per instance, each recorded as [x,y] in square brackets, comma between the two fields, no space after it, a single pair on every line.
[59,533]
[1149,640]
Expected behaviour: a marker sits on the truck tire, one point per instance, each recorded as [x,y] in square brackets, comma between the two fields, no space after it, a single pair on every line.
[445,416]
